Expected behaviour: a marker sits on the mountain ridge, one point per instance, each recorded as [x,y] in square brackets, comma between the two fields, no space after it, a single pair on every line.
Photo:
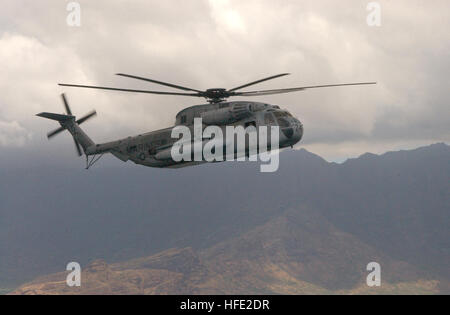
[393,206]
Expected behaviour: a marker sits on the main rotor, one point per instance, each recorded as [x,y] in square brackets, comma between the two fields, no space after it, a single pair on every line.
[215,95]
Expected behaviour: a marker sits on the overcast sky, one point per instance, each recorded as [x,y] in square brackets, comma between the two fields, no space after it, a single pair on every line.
[221,43]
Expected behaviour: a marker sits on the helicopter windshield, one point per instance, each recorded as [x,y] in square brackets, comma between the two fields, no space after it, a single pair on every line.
[280,116]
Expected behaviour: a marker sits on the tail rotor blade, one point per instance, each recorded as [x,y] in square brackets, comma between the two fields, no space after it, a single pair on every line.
[86,117]
[77,147]
[53,133]
[66,105]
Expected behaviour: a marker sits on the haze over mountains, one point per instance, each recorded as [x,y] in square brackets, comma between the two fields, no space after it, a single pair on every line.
[311,227]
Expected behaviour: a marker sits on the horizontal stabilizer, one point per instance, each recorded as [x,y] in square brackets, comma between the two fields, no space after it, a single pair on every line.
[57,117]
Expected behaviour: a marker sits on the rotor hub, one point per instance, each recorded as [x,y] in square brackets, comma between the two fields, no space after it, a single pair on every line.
[216,95]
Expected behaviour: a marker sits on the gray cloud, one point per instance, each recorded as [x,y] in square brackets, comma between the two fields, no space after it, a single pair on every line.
[224,43]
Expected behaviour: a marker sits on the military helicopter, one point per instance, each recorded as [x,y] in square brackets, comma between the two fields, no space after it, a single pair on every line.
[153,149]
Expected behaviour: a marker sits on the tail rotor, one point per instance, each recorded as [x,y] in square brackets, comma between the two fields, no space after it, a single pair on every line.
[68,117]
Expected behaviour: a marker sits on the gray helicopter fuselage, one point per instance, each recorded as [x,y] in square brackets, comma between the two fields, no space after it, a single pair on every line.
[153,148]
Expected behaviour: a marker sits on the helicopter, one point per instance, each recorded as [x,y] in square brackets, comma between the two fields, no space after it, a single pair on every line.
[155,148]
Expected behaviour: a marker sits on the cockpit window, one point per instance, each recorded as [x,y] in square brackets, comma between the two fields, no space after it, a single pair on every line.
[282,114]
[282,122]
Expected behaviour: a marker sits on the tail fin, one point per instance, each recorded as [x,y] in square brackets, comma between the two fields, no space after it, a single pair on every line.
[69,123]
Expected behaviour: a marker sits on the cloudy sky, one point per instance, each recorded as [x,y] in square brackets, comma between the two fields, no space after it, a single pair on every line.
[224,43]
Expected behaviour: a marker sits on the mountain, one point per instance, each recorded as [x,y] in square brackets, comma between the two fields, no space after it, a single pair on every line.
[295,253]
[311,227]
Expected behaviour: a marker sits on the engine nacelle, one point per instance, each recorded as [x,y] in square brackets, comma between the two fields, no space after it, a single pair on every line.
[227,115]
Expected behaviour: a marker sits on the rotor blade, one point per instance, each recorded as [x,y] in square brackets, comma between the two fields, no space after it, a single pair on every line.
[129,90]
[259,81]
[77,147]
[53,133]
[281,91]
[66,105]
[86,117]
[158,82]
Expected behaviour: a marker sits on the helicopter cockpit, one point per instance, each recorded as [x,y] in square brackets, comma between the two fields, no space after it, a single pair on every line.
[277,117]
[290,126]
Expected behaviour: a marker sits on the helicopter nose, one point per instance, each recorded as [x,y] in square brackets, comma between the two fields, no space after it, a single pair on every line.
[288,132]
[293,130]
[297,130]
